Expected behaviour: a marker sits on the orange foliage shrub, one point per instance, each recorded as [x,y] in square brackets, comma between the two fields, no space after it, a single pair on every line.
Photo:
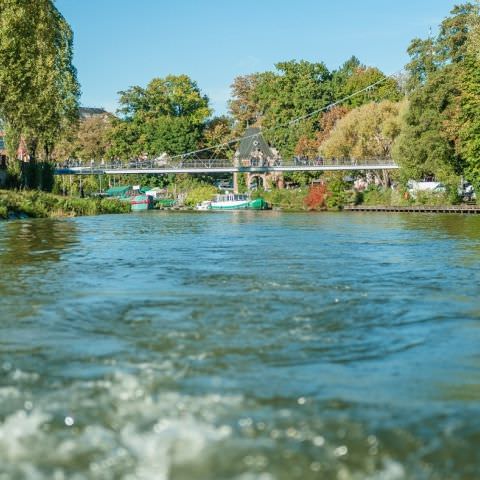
[316,197]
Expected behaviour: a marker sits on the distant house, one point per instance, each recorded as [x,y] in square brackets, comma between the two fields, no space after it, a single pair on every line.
[90,112]
[22,153]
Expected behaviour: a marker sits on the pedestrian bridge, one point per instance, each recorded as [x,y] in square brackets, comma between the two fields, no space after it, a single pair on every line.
[206,166]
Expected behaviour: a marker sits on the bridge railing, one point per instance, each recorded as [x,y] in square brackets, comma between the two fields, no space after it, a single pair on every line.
[202,164]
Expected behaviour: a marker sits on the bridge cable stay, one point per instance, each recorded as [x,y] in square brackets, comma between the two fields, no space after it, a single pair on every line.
[368,88]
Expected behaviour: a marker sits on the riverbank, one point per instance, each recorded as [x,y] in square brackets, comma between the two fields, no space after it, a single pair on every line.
[37,204]
[462,209]
[374,199]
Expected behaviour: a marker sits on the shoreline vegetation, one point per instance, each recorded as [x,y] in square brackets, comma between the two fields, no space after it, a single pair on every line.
[425,119]
[16,204]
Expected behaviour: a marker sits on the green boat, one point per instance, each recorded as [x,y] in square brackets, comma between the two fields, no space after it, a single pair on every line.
[233,201]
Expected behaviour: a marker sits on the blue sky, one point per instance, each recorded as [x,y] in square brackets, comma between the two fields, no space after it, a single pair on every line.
[120,43]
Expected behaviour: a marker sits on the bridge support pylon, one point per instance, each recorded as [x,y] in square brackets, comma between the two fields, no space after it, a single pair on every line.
[235,182]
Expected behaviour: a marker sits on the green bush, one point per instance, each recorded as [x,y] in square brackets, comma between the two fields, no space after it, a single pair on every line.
[377,196]
[285,199]
[38,204]
[199,193]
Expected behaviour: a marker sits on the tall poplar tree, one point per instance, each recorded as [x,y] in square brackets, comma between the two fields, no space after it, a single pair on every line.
[39,90]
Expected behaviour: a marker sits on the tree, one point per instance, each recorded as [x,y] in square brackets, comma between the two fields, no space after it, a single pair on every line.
[86,140]
[470,104]
[298,90]
[440,131]
[455,30]
[426,146]
[168,115]
[310,147]
[363,78]
[366,132]
[245,104]
[219,131]
[422,64]
[38,86]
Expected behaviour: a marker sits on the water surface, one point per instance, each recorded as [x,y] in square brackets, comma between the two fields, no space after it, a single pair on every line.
[249,345]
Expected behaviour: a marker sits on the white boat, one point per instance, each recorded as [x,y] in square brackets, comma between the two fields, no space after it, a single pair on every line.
[204,205]
[233,201]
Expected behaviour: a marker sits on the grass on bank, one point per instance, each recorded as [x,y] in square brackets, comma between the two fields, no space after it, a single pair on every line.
[37,204]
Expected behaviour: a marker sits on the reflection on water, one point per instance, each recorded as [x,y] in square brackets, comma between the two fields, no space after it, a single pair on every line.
[27,242]
[250,345]
[29,250]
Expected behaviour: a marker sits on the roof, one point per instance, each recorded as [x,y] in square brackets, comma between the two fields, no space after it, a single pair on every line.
[87,112]
[113,191]
[253,141]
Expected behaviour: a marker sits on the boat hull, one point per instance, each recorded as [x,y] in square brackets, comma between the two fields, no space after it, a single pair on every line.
[141,202]
[256,204]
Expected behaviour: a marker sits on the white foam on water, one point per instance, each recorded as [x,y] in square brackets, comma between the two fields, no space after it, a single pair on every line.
[151,432]
[392,470]
[21,376]
[9,392]
[16,430]
[171,442]
[255,476]
[142,433]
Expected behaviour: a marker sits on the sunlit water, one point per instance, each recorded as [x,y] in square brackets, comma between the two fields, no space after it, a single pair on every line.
[240,346]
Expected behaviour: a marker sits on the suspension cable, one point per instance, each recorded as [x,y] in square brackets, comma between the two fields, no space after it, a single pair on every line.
[290,122]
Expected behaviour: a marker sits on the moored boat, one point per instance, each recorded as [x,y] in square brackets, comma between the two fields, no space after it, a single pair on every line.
[141,202]
[234,201]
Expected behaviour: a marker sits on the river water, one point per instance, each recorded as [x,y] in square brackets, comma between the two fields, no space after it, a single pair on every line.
[249,345]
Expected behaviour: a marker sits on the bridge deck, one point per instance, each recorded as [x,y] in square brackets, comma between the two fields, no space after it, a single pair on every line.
[224,166]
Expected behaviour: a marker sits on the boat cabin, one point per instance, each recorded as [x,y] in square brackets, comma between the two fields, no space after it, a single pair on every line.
[232,197]
[120,191]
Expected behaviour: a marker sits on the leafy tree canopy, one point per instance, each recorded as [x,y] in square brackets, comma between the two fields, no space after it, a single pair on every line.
[167,116]
[441,127]
[38,86]
[366,132]
[87,140]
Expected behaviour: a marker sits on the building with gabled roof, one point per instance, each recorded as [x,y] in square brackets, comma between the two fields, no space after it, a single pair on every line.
[254,151]
[90,112]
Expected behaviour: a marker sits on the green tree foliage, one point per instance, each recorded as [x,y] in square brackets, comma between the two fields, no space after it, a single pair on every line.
[298,90]
[452,42]
[366,132]
[470,103]
[310,147]
[361,79]
[167,116]
[38,85]
[424,148]
[444,99]
[273,100]
[218,132]
[423,62]
[86,140]
[245,105]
